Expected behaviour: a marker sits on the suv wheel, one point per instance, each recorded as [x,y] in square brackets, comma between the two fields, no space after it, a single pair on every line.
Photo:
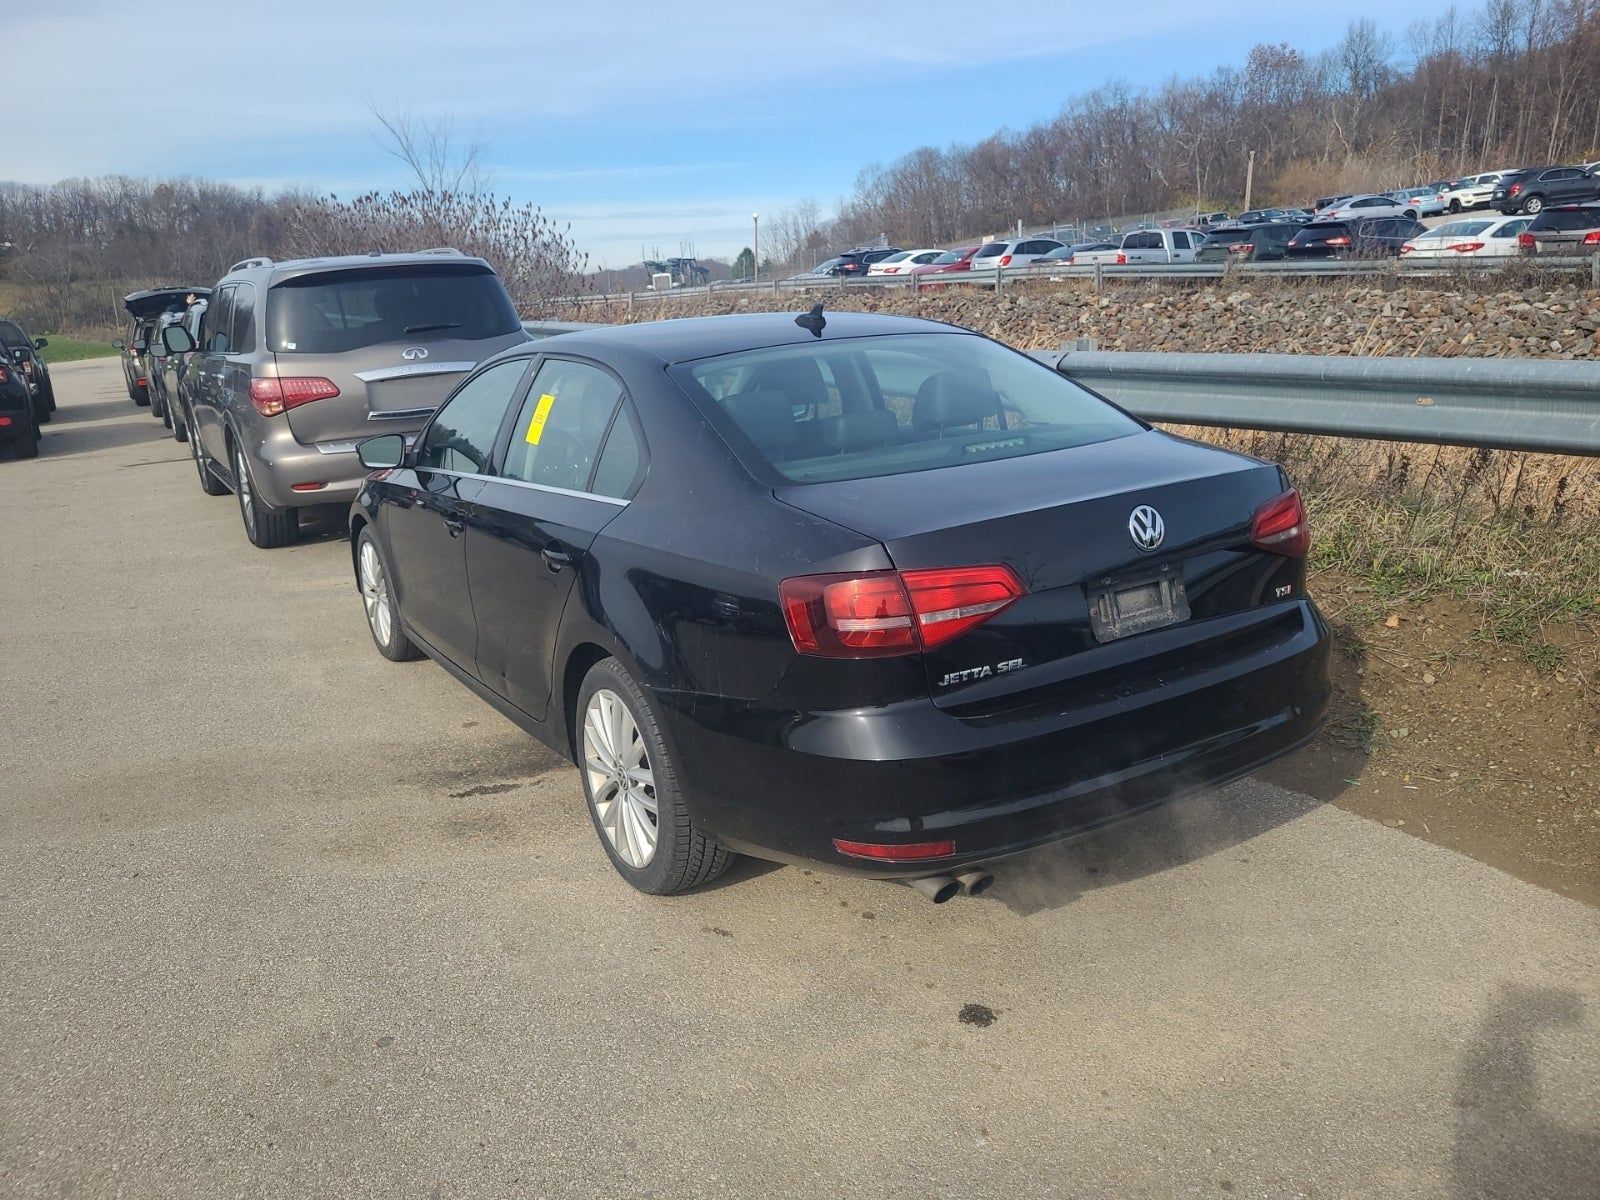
[1455,205]
[1533,205]
[27,446]
[631,784]
[267,528]
[383,613]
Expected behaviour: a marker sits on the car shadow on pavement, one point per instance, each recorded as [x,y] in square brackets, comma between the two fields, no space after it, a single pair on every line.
[1147,843]
[65,438]
[1511,1138]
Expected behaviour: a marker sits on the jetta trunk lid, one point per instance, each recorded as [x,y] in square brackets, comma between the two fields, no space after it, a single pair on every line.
[1062,522]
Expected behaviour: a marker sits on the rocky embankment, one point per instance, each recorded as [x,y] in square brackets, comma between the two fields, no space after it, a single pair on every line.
[1558,321]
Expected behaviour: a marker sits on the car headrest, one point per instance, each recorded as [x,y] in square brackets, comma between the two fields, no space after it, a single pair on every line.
[860,431]
[766,418]
[799,378]
[954,398]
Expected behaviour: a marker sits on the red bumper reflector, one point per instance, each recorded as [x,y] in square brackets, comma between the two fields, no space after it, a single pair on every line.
[4,421]
[897,852]
[307,487]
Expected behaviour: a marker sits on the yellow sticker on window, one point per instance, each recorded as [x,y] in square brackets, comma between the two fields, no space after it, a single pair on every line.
[541,414]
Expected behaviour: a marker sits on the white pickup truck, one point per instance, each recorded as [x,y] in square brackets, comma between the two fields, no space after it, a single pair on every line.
[1147,246]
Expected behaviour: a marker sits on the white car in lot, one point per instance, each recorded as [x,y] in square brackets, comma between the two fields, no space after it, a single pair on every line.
[1147,246]
[1471,237]
[1471,191]
[1018,252]
[900,263]
[1354,208]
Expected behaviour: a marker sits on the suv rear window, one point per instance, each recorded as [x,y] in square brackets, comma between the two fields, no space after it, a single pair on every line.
[11,335]
[335,311]
[858,408]
[1564,219]
[990,249]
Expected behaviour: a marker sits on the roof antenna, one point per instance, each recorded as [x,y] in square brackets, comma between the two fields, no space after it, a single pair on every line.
[812,320]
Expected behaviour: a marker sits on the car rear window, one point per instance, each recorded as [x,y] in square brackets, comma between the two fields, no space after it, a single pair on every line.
[1321,229]
[990,249]
[11,334]
[1222,237]
[335,311]
[858,408]
[1457,229]
[1562,219]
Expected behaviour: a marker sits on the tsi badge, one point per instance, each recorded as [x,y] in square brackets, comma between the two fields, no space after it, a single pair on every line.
[971,673]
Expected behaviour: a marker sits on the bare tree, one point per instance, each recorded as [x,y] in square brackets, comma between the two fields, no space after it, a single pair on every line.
[438,158]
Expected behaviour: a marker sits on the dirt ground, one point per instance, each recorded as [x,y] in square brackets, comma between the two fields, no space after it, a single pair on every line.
[1447,735]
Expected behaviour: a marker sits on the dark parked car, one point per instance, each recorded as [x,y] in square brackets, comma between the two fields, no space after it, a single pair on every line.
[144,315]
[1381,237]
[853,264]
[1571,229]
[1532,190]
[867,591]
[1247,243]
[26,349]
[19,427]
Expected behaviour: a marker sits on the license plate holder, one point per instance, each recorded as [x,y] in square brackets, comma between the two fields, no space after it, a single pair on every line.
[1123,607]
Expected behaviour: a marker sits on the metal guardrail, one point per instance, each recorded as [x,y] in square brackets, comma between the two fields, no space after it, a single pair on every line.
[1494,403]
[544,329]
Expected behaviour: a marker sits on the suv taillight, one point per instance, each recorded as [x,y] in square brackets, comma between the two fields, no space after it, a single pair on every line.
[1592,238]
[878,614]
[1280,526]
[1005,260]
[1338,241]
[1513,189]
[1524,241]
[274,396]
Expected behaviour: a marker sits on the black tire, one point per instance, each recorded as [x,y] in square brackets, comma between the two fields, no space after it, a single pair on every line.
[683,857]
[397,647]
[159,407]
[179,423]
[41,410]
[1533,205]
[267,528]
[209,483]
[27,446]
[1455,205]
[50,393]
[1411,214]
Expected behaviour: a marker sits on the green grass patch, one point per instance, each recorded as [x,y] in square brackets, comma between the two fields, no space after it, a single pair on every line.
[70,349]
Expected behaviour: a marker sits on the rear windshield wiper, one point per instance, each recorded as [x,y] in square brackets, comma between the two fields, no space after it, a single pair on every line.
[428,328]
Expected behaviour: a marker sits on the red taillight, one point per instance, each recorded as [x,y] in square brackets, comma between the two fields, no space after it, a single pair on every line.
[140,381]
[1280,526]
[1592,238]
[1524,241]
[882,613]
[1338,241]
[1407,248]
[895,852]
[4,421]
[1514,189]
[1005,260]
[274,396]
[1467,247]
[1240,248]
[5,375]
[1122,260]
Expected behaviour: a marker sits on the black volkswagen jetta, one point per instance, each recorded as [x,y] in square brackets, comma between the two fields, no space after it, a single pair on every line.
[872,592]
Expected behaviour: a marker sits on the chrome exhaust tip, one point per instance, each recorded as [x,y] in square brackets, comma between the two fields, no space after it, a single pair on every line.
[975,882]
[938,888]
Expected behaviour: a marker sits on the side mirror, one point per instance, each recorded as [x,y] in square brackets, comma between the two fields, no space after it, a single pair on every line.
[119,344]
[40,343]
[386,450]
[177,339]
[158,350]
[140,345]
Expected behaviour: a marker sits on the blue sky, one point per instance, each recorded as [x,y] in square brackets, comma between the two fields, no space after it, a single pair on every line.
[641,123]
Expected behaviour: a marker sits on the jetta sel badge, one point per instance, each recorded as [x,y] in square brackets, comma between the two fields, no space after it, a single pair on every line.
[1146,527]
[971,673]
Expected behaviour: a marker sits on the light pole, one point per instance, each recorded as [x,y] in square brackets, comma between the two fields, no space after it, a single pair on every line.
[755,247]
[1249,179]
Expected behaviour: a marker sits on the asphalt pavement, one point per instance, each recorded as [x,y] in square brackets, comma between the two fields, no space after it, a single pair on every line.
[281,918]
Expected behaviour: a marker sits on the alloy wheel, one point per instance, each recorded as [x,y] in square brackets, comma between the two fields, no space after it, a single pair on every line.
[375,593]
[247,500]
[622,787]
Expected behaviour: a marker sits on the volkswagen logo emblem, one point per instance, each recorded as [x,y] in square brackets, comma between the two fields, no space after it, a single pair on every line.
[414,353]
[1146,527]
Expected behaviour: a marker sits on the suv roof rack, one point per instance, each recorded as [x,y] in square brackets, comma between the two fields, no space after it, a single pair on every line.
[442,250]
[246,263]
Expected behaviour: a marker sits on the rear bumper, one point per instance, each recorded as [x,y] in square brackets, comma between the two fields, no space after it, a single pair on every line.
[278,462]
[782,785]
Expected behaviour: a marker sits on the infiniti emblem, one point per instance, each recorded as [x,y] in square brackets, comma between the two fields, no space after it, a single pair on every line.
[413,353]
[1146,527]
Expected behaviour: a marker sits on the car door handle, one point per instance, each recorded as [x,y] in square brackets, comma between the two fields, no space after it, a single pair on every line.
[455,525]
[556,556]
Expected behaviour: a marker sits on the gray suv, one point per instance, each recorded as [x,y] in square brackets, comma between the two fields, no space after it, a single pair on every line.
[295,362]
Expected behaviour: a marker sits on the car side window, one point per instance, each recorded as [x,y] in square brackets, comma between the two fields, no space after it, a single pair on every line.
[461,437]
[557,434]
[219,323]
[243,338]
[1180,240]
[622,460]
